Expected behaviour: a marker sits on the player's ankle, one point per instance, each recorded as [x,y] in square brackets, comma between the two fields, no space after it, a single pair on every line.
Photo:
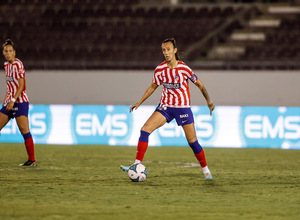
[137,161]
[205,169]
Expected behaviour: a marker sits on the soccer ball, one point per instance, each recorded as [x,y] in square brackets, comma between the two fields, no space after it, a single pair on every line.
[137,172]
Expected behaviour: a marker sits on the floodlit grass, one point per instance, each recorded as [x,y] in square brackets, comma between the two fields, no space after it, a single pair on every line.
[85,182]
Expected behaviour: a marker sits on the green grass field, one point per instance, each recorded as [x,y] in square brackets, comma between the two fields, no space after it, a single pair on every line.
[85,182]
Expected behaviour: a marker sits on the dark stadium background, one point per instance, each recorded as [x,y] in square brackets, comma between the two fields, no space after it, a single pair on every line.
[246,52]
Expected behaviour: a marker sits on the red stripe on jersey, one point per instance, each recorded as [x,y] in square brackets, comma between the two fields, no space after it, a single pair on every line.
[176,86]
[13,72]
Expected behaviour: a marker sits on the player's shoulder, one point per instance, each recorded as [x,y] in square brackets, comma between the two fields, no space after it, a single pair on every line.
[160,68]
[181,65]
[18,63]
[162,65]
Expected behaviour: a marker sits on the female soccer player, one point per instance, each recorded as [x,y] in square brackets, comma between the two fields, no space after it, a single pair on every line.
[175,103]
[16,101]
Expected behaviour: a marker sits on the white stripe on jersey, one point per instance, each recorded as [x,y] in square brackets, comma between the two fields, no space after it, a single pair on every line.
[175,81]
[13,72]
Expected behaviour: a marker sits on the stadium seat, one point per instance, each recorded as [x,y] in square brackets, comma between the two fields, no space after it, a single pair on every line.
[139,13]
[126,12]
[190,13]
[177,13]
[152,13]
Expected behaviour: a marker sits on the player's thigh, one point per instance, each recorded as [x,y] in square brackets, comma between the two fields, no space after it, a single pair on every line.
[23,124]
[190,132]
[4,119]
[155,121]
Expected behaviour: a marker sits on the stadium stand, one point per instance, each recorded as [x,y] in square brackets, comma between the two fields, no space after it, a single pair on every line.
[126,34]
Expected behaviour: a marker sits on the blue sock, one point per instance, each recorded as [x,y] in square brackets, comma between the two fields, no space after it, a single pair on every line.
[26,136]
[196,147]
[144,136]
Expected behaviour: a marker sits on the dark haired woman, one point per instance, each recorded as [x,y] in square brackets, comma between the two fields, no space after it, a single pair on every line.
[175,103]
[16,103]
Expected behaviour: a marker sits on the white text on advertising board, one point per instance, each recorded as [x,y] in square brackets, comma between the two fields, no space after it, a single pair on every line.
[113,124]
[36,121]
[257,126]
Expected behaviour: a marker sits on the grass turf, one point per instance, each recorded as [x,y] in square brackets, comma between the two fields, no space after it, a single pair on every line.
[85,182]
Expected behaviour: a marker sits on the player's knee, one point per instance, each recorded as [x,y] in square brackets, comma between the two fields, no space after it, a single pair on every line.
[146,128]
[191,140]
[24,131]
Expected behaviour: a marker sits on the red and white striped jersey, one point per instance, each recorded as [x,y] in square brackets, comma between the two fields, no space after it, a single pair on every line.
[13,72]
[176,91]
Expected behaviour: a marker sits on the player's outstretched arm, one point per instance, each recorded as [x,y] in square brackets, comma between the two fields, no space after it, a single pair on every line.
[203,90]
[146,95]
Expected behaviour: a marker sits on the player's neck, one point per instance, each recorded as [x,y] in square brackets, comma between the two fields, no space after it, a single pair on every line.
[12,60]
[172,64]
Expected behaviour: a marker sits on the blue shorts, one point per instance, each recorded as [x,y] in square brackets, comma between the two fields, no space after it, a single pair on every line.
[183,116]
[18,110]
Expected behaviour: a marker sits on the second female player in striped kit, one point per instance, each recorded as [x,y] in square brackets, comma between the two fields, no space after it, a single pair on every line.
[174,104]
[16,102]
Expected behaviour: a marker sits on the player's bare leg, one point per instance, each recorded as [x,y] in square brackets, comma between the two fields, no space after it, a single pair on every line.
[155,121]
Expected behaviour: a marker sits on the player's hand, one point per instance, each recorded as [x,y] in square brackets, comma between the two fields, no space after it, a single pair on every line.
[10,106]
[134,106]
[211,107]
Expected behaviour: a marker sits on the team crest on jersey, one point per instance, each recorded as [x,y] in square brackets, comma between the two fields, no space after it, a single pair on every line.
[176,77]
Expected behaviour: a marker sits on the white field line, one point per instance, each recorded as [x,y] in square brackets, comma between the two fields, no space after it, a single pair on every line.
[176,165]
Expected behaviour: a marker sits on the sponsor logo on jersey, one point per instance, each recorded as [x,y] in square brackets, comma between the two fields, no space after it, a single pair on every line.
[172,85]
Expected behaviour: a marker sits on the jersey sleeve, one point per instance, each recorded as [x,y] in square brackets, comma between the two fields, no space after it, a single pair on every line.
[194,78]
[20,71]
[156,77]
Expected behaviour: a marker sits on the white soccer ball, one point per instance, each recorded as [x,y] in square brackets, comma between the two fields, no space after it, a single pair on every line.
[137,172]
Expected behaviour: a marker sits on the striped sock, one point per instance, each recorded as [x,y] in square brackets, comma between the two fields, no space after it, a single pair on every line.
[199,153]
[29,146]
[142,145]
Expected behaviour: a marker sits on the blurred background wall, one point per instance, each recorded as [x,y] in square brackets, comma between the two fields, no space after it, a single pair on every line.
[117,87]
